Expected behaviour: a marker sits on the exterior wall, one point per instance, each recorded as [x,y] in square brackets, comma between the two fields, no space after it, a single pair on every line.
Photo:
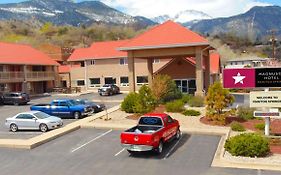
[64,77]
[111,68]
[179,69]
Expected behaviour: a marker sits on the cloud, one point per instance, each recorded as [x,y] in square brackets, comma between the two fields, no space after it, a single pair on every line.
[214,8]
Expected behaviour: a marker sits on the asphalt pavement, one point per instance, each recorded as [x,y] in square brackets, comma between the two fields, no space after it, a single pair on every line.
[93,151]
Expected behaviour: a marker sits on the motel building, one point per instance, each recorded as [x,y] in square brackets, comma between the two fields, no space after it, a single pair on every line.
[25,69]
[168,48]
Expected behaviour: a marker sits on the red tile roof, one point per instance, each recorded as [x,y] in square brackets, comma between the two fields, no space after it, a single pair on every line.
[99,50]
[168,34]
[64,69]
[23,55]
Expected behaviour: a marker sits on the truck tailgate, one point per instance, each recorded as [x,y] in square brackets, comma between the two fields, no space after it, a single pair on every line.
[136,138]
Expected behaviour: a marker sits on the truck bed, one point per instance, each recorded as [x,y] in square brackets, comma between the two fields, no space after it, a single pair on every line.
[144,129]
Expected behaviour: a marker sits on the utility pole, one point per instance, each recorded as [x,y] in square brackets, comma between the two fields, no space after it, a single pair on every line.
[273,41]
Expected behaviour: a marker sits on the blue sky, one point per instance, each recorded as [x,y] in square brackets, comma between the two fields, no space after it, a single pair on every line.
[153,8]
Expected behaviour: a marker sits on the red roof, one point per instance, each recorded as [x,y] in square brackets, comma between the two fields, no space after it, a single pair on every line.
[99,50]
[23,55]
[168,34]
[64,69]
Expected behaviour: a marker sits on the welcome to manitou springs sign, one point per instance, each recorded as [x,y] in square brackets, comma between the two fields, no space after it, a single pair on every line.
[252,78]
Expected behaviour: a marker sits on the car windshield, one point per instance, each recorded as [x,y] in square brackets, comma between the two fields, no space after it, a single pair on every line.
[156,121]
[41,115]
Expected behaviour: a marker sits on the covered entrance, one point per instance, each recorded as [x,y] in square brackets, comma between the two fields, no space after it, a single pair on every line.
[187,86]
[170,40]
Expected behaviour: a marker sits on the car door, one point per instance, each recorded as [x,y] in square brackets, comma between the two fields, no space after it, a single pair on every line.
[64,109]
[31,122]
[20,121]
[7,98]
[171,127]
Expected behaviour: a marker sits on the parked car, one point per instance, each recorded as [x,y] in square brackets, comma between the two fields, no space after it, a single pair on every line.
[63,108]
[152,131]
[94,106]
[15,98]
[33,120]
[109,89]
[1,99]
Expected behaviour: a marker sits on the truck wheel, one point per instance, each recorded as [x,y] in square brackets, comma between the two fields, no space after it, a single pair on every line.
[178,134]
[43,127]
[13,127]
[76,115]
[159,149]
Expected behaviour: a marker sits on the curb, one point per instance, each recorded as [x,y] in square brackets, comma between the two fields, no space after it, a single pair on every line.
[53,134]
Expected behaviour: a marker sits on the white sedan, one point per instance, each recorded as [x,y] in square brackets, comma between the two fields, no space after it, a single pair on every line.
[33,120]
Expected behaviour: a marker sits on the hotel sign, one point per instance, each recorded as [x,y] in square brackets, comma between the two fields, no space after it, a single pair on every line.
[252,78]
[265,99]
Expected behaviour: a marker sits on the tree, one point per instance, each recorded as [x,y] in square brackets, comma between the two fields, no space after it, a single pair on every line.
[145,101]
[217,100]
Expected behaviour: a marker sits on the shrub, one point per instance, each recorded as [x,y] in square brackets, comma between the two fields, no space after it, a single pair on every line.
[191,112]
[247,145]
[186,98]
[218,99]
[145,101]
[245,113]
[260,126]
[196,101]
[164,88]
[235,126]
[175,106]
[129,102]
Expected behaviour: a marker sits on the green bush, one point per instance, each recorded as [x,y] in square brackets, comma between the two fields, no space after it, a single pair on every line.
[196,101]
[145,101]
[175,106]
[235,126]
[247,145]
[186,98]
[260,126]
[191,112]
[245,113]
[129,102]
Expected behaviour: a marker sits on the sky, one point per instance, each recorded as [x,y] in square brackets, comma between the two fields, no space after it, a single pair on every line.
[153,8]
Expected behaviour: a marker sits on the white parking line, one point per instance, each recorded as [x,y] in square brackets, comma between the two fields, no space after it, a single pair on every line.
[90,141]
[170,151]
[119,152]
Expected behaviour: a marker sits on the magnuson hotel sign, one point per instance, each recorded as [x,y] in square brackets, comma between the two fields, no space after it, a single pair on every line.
[252,78]
[265,99]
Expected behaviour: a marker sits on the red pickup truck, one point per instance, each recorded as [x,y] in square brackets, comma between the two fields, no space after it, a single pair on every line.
[152,131]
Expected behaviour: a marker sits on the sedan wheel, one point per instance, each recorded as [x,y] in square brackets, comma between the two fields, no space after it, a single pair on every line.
[43,127]
[13,127]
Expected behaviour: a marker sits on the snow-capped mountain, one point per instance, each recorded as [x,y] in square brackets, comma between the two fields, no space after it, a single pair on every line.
[67,12]
[183,17]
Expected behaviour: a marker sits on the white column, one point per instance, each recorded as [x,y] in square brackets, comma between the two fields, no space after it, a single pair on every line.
[199,73]
[131,66]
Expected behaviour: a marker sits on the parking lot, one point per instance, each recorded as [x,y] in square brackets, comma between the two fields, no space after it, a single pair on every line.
[94,151]
[10,110]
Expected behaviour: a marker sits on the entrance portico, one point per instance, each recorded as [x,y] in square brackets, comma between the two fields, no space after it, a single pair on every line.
[169,40]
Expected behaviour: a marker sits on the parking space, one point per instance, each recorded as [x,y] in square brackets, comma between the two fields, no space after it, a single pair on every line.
[93,151]
[10,110]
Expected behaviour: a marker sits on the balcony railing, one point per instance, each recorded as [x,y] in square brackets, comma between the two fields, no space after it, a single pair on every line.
[11,76]
[40,76]
[30,76]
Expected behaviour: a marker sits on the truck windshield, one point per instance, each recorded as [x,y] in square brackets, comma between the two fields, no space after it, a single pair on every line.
[156,121]
[73,102]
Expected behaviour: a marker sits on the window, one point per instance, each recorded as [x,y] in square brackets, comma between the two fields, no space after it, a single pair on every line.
[92,62]
[170,120]
[95,82]
[109,80]
[82,64]
[56,103]
[155,121]
[124,81]
[156,61]
[25,116]
[63,104]
[1,68]
[2,87]
[141,80]
[124,61]
[80,82]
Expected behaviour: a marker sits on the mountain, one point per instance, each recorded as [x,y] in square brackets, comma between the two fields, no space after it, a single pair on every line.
[183,17]
[257,22]
[67,12]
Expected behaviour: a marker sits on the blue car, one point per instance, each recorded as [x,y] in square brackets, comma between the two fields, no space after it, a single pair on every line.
[63,108]
[95,107]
